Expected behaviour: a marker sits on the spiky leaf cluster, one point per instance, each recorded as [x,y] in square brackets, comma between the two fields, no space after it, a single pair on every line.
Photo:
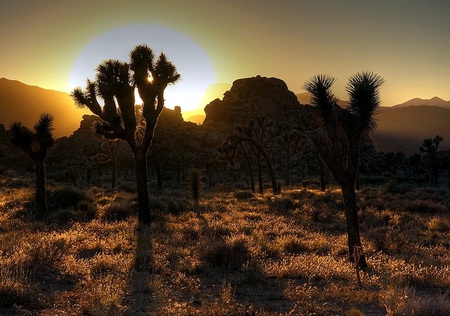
[34,142]
[115,84]
[363,89]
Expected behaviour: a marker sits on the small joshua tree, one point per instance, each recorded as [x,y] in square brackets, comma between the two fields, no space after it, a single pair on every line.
[196,187]
[430,147]
[36,144]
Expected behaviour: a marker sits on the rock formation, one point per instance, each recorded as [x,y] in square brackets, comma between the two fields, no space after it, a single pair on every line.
[249,98]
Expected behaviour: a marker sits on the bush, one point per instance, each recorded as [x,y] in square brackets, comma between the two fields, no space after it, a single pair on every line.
[63,197]
[281,205]
[244,195]
[117,211]
[424,206]
[89,209]
[394,187]
[228,253]
[177,206]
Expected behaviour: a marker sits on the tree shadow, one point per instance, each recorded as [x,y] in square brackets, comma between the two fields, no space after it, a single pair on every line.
[140,297]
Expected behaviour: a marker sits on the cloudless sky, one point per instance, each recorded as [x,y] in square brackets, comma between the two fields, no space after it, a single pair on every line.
[407,42]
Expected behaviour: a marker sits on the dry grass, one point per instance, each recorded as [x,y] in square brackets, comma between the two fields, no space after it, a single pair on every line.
[244,254]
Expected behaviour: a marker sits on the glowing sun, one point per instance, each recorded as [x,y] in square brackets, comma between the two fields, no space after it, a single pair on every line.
[193,63]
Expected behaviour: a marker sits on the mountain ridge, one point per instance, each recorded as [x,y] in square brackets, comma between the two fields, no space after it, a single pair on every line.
[24,103]
[400,128]
[434,101]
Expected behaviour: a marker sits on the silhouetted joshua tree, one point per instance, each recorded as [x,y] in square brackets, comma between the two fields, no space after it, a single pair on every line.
[115,83]
[430,147]
[290,141]
[36,144]
[339,138]
[246,135]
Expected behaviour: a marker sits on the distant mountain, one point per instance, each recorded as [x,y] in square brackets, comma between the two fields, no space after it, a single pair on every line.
[405,128]
[435,101]
[24,103]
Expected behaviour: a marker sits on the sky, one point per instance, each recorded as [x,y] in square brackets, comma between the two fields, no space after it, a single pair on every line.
[57,44]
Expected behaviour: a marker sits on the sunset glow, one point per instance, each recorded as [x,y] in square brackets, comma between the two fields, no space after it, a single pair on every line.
[196,74]
[56,46]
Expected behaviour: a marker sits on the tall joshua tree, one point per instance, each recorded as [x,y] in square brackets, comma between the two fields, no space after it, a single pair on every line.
[36,144]
[115,83]
[339,138]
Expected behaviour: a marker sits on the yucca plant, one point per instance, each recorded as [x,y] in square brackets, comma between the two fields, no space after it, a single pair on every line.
[120,118]
[196,187]
[339,138]
[36,144]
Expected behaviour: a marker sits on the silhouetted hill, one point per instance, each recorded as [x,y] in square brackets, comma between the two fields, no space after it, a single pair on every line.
[405,128]
[435,101]
[249,98]
[21,102]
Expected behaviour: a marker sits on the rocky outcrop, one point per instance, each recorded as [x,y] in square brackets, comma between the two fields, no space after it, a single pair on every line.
[249,98]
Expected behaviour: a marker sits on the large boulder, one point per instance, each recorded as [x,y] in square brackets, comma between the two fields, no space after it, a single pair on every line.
[249,98]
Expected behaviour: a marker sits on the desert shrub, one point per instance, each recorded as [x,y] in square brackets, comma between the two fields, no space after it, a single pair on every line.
[12,294]
[127,187]
[404,301]
[394,187]
[63,197]
[373,180]
[117,211]
[157,204]
[17,183]
[281,205]
[425,206]
[177,206]
[291,244]
[438,224]
[230,254]
[215,206]
[311,183]
[88,208]
[354,312]
[244,195]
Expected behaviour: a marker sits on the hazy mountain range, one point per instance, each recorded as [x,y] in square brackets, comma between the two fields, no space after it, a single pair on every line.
[400,128]
[403,127]
[24,103]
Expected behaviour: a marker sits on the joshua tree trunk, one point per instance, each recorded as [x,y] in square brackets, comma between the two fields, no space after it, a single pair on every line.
[41,199]
[351,215]
[142,187]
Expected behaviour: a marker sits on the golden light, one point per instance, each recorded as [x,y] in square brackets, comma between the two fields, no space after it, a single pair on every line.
[192,62]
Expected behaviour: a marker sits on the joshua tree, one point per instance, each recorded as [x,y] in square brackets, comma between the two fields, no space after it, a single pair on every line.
[36,144]
[116,83]
[339,138]
[246,135]
[430,147]
[290,141]
[196,186]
